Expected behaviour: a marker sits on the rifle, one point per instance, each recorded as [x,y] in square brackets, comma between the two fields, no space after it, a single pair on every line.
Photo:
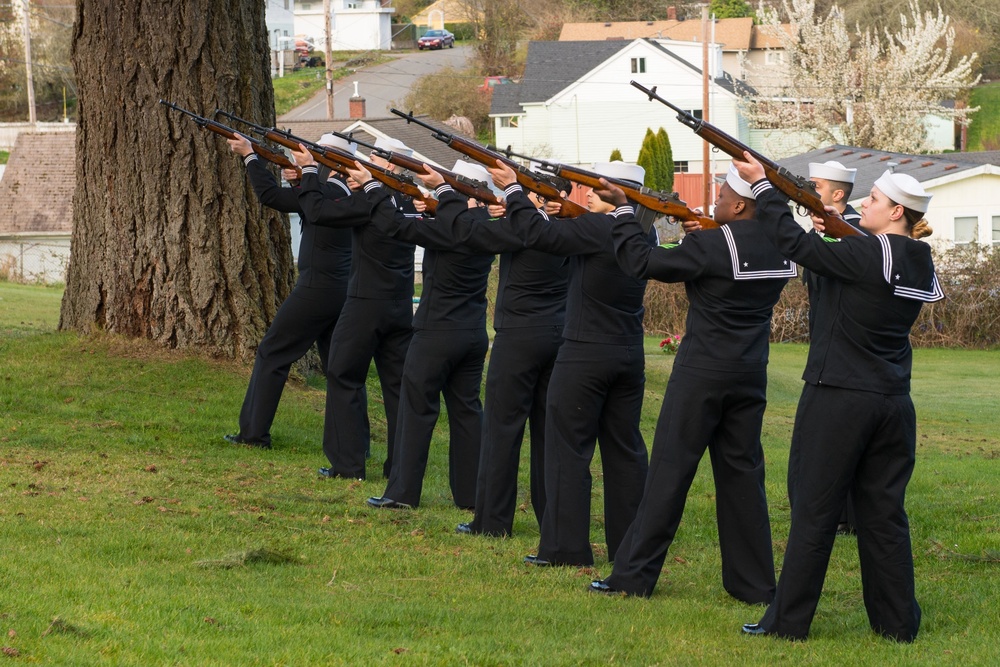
[527,179]
[798,189]
[662,202]
[467,186]
[339,160]
[229,133]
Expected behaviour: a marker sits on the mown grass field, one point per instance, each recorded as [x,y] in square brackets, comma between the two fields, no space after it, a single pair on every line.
[133,535]
[984,132]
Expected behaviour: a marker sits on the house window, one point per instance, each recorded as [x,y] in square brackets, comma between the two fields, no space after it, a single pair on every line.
[695,112]
[966,230]
[286,3]
[996,230]
[774,57]
[638,65]
[509,121]
[682,167]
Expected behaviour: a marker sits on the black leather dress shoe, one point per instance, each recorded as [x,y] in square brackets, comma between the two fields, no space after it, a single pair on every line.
[381,502]
[598,586]
[464,528]
[237,439]
[753,629]
[329,473]
[532,559]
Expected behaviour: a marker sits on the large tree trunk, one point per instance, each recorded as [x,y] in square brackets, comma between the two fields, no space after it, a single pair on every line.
[169,242]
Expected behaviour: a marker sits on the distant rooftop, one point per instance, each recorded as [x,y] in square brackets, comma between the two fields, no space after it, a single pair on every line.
[36,192]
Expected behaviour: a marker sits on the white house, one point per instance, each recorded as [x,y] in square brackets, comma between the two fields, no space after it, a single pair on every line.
[966,187]
[355,25]
[279,15]
[742,42]
[575,105]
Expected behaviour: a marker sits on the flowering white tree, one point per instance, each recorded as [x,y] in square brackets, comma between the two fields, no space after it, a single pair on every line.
[861,88]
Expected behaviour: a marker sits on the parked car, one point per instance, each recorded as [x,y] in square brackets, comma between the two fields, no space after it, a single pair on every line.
[436,39]
[490,82]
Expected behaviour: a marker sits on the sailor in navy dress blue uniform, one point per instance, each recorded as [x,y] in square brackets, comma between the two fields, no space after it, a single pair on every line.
[448,349]
[310,312]
[376,323]
[834,184]
[715,396]
[529,316]
[596,388]
[855,428]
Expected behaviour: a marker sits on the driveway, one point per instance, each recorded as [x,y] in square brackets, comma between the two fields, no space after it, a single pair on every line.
[382,86]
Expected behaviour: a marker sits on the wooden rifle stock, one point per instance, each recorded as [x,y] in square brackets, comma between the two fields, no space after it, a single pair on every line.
[229,133]
[668,204]
[467,186]
[339,161]
[525,178]
[796,188]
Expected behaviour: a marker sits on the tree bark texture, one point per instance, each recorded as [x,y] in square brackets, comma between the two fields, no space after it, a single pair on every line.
[169,241]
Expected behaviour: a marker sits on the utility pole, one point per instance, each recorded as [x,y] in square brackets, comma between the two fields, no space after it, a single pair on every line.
[27,64]
[329,60]
[706,172]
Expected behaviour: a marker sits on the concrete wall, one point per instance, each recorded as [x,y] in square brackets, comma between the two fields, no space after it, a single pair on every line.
[34,258]
[9,131]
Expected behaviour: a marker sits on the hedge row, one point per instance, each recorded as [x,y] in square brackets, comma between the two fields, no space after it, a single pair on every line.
[968,317]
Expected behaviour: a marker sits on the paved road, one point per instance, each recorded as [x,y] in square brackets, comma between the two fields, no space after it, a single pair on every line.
[382,86]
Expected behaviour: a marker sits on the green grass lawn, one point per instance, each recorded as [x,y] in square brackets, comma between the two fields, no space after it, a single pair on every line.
[133,535]
[297,87]
[4,156]
[984,132]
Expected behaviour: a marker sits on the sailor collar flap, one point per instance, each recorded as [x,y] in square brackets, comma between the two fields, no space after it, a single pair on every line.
[911,276]
[754,258]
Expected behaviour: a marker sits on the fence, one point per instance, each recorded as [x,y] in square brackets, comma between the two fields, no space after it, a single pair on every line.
[34,259]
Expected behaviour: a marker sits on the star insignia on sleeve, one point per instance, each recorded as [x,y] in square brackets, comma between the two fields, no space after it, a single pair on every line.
[746,264]
[897,277]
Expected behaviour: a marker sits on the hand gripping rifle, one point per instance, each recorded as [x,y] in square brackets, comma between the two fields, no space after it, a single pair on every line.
[463,184]
[661,202]
[229,133]
[798,189]
[527,179]
[339,160]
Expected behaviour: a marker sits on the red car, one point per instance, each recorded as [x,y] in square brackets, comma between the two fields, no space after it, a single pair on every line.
[436,39]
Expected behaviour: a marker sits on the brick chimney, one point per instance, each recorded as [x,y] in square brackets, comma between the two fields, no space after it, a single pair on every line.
[357,104]
[671,13]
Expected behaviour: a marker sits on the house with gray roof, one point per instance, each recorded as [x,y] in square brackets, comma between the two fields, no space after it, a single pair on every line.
[966,187]
[575,104]
[36,207]
[425,147]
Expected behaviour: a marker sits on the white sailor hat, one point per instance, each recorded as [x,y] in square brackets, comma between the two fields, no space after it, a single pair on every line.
[904,189]
[477,172]
[739,186]
[832,171]
[621,171]
[393,146]
[333,141]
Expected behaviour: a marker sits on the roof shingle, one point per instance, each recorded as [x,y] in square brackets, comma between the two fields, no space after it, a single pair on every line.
[36,192]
